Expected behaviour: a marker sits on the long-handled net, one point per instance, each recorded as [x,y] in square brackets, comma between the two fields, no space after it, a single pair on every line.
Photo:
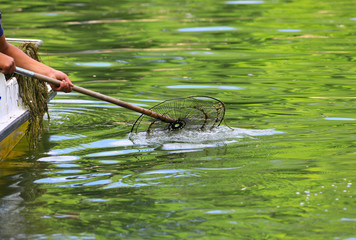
[190,113]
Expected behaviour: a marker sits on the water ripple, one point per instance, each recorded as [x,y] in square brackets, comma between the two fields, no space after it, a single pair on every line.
[71,178]
[218,169]
[58,159]
[150,178]
[108,143]
[205,86]
[244,2]
[340,119]
[289,30]
[207,29]
[112,153]
[94,64]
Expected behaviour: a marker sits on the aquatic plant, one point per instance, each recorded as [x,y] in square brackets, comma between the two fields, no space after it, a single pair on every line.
[34,94]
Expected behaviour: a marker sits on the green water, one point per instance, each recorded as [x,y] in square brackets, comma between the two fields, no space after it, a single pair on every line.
[286,72]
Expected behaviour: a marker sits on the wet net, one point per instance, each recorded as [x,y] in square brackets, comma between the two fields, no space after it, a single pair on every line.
[191,113]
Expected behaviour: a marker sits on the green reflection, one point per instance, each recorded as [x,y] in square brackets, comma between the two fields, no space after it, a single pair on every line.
[285,66]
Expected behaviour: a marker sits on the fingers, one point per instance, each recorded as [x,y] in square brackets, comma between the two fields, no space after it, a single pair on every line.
[64,86]
[69,81]
[8,66]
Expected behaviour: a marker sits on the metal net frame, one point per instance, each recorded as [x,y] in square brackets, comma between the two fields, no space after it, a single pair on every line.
[190,113]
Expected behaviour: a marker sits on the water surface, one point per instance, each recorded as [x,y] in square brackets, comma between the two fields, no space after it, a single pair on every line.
[280,167]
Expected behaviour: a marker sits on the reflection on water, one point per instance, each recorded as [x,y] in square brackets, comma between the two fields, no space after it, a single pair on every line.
[206,29]
[280,167]
[205,86]
[342,119]
[58,159]
[244,2]
[97,64]
[289,30]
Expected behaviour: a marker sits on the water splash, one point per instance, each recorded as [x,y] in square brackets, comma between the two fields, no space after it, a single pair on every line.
[215,137]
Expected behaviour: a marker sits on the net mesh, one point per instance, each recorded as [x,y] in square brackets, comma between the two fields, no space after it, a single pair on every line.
[191,113]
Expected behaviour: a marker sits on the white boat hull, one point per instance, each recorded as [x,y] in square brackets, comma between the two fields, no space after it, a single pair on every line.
[13,116]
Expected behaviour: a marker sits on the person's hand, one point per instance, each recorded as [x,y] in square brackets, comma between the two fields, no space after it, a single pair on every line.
[7,64]
[65,86]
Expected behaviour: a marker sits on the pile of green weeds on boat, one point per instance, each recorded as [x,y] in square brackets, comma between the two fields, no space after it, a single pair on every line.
[34,94]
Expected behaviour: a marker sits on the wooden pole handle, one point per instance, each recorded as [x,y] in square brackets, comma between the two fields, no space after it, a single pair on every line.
[97,95]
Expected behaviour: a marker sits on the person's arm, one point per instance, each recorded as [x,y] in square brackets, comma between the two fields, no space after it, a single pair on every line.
[11,56]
